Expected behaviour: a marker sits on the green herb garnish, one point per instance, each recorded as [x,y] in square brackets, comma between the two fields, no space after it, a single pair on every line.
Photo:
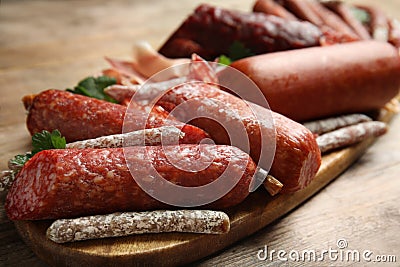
[46,140]
[224,60]
[19,160]
[94,87]
[40,141]
[237,51]
[361,15]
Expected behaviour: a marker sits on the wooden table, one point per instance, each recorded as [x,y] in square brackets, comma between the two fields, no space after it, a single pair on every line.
[53,44]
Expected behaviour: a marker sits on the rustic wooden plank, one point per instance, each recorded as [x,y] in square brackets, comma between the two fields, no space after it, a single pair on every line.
[362,206]
[172,249]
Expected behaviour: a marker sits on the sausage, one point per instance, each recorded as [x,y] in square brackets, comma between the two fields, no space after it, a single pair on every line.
[331,20]
[297,156]
[129,223]
[312,83]
[302,9]
[326,125]
[270,7]
[166,135]
[79,117]
[350,135]
[344,11]
[66,183]
[214,30]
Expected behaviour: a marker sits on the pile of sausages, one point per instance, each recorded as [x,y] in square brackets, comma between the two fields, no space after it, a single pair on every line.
[278,25]
[93,175]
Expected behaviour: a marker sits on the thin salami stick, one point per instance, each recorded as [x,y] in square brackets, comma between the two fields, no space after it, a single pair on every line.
[272,8]
[350,135]
[129,223]
[330,124]
[166,135]
[343,10]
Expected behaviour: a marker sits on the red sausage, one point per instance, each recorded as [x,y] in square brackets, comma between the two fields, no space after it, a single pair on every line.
[79,117]
[297,156]
[73,182]
[271,7]
[311,83]
[210,32]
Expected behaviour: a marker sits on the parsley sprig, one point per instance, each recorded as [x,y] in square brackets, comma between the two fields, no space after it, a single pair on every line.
[40,141]
[237,51]
[94,87]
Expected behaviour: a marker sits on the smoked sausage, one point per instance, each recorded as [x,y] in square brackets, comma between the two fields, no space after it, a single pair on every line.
[297,156]
[312,83]
[79,117]
[65,183]
[211,31]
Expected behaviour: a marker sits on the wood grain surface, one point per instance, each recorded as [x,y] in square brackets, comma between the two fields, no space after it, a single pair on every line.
[53,44]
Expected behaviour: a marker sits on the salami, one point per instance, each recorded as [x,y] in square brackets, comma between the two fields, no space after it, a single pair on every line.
[357,77]
[297,156]
[129,223]
[79,117]
[66,183]
[210,31]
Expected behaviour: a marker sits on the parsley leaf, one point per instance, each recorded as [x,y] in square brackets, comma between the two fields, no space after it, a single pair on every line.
[224,60]
[94,87]
[237,51]
[19,160]
[40,141]
[361,15]
[46,140]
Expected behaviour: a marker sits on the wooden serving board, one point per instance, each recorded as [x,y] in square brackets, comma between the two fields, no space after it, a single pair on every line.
[170,249]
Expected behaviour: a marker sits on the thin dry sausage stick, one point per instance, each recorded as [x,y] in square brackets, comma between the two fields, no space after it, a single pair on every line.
[343,10]
[166,135]
[350,135]
[270,7]
[330,124]
[130,223]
